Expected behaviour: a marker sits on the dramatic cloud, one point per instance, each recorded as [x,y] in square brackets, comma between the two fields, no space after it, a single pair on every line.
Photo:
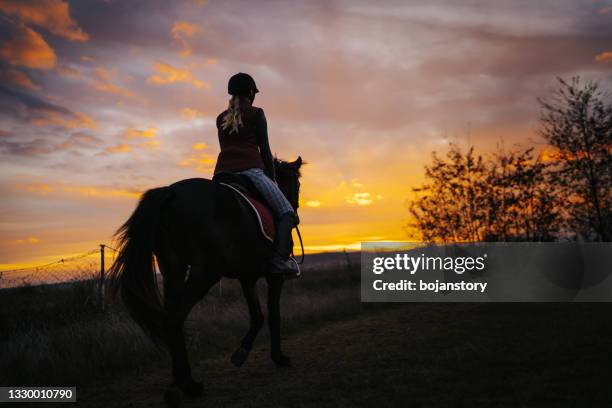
[101,100]
[75,142]
[604,56]
[26,106]
[19,79]
[22,46]
[50,15]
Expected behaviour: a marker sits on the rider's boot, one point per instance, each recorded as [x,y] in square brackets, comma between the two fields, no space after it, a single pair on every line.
[280,262]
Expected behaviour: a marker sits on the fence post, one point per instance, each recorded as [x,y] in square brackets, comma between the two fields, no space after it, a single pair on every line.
[101,285]
[349,266]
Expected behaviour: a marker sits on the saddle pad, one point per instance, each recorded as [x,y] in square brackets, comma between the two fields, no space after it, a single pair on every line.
[262,214]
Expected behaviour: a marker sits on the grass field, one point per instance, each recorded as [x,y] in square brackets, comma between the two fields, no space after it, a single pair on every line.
[345,353]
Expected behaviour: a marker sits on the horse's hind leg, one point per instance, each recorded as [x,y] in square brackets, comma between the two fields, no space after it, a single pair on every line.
[257,320]
[180,297]
[174,289]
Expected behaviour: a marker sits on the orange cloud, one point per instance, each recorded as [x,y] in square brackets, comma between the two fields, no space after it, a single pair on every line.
[604,56]
[103,74]
[18,78]
[79,120]
[101,192]
[147,137]
[181,30]
[191,113]
[103,83]
[30,240]
[89,191]
[37,188]
[150,144]
[120,148]
[27,48]
[113,89]
[78,140]
[204,63]
[167,74]
[50,15]
[131,133]
[202,161]
[200,146]
[313,203]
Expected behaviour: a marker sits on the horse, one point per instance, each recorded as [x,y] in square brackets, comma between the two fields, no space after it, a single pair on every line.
[199,231]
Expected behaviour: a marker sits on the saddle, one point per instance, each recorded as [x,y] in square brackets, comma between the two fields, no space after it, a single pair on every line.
[244,188]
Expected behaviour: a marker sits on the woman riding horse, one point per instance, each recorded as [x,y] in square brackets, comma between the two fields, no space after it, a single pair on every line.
[243,137]
[199,231]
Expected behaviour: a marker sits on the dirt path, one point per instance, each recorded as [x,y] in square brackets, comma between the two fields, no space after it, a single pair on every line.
[409,355]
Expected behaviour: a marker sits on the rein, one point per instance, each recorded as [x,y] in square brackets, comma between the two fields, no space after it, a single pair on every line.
[297,229]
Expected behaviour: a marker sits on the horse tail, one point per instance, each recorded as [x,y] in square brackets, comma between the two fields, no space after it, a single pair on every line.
[133,273]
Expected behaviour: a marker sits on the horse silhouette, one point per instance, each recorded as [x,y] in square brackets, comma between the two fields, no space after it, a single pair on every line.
[199,231]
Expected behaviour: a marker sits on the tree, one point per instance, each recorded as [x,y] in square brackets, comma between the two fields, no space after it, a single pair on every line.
[468,198]
[520,204]
[449,208]
[577,123]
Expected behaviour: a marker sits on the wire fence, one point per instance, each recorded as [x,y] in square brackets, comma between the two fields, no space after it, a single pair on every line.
[86,266]
[91,268]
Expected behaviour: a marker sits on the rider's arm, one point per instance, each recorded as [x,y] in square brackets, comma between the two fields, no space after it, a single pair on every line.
[264,144]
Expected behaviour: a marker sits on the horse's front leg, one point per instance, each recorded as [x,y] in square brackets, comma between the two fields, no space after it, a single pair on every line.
[257,319]
[275,286]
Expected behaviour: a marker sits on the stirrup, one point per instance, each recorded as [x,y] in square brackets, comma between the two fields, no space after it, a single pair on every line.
[297,268]
[288,272]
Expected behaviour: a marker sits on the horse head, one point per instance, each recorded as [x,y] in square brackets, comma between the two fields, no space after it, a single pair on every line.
[288,179]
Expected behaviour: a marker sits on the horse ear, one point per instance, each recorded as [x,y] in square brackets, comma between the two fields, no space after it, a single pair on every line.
[298,162]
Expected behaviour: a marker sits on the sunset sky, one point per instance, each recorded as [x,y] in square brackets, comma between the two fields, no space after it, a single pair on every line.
[101,100]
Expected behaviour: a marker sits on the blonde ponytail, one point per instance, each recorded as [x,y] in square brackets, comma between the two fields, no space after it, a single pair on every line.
[233,116]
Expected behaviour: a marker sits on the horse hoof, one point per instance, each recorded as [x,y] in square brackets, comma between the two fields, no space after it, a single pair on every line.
[282,361]
[240,356]
[193,389]
[173,397]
